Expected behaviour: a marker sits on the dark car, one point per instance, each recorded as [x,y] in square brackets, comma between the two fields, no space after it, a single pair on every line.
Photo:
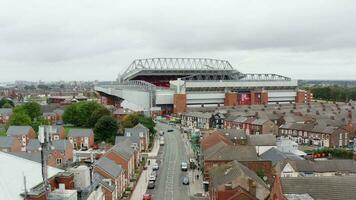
[170,130]
[185,180]
[151,185]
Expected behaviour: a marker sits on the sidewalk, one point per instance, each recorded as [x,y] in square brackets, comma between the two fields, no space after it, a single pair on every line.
[142,182]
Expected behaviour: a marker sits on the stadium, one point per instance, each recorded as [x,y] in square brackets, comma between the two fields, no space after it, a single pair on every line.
[171,85]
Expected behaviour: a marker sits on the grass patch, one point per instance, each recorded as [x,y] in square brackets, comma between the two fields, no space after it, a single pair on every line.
[3,133]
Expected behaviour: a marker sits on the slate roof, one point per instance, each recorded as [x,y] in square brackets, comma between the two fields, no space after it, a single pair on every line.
[6,142]
[322,187]
[206,115]
[222,151]
[124,149]
[320,166]
[33,156]
[80,132]
[5,111]
[233,133]
[259,122]
[109,166]
[60,145]
[18,130]
[262,140]
[231,171]
[275,155]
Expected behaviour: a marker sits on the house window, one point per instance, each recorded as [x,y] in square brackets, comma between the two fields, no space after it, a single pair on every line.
[59,161]
[128,134]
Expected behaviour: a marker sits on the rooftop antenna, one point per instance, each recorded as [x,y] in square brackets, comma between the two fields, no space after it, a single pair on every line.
[44,136]
[24,183]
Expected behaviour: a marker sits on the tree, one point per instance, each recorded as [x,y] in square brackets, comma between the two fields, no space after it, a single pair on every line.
[82,114]
[96,115]
[19,118]
[32,109]
[38,122]
[7,105]
[106,129]
[4,101]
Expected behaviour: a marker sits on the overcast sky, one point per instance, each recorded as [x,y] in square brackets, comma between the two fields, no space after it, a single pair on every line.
[96,40]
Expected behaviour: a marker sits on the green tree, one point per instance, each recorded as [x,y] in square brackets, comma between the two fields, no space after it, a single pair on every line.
[32,109]
[106,129]
[7,105]
[96,115]
[4,101]
[38,122]
[19,118]
[82,114]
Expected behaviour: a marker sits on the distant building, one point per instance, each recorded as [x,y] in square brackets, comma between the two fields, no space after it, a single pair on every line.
[22,133]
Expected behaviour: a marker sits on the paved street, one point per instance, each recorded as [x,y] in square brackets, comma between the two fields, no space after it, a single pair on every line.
[169,185]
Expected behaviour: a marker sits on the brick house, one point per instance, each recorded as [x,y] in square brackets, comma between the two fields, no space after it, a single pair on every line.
[200,120]
[22,133]
[81,137]
[113,174]
[50,116]
[128,142]
[59,114]
[221,154]
[57,132]
[235,181]
[316,134]
[263,126]
[140,135]
[62,151]
[123,154]
[9,144]
[5,114]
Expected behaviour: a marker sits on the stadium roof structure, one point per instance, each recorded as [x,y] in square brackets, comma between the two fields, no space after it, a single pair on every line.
[177,66]
[190,69]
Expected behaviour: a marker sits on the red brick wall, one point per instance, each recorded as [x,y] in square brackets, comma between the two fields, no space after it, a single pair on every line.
[300,98]
[276,190]
[230,99]
[119,160]
[16,146]
[179,103]
[264,97]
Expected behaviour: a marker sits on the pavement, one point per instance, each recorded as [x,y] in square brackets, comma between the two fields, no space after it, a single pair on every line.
[141,186]
[169,179]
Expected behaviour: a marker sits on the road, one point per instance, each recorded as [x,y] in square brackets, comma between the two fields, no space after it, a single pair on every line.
[168,184]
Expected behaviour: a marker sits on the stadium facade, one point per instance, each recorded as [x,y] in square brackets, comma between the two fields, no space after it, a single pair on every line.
[175,84]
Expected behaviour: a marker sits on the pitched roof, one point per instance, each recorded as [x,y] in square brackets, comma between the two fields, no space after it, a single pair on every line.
[228,172]
[321,187]
[80,132]
[5,111]
[275,155]
[109,166]
[262,140]
[259,122]
[322,165]
[206,115]
[60,145]
[231,152]
[212,139]
[124,149]
[12,172]
[6,142]
[33,156]
[18,130]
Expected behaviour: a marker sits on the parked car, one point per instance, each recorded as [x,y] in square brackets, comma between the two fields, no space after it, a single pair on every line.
[170,130]
[161,133]
[152,178]
[154,173]
[151,185]
[185,180]
[184,166]
[147,197]
[161,142]
[155,167]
